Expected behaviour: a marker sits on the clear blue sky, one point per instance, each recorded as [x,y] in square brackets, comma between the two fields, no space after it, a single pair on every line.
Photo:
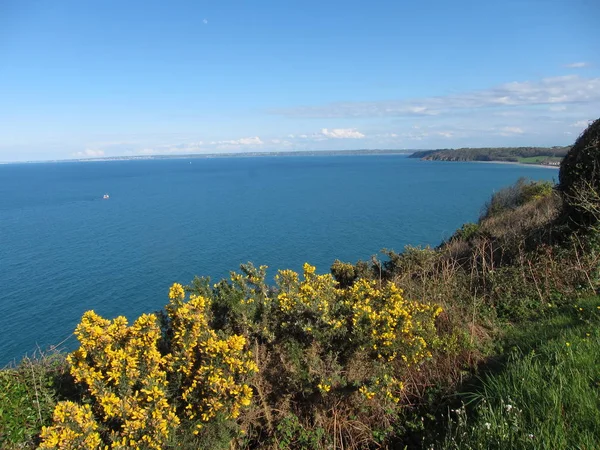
[103,78]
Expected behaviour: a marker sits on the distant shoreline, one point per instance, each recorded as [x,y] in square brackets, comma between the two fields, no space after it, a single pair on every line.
[364,152]
[543,166]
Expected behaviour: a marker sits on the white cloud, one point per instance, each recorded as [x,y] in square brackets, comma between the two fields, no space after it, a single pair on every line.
[577,65]
[148,151]
[236,143]
[556,91]
[507,131]
[89,153]
[204,21]
[281,142]
[342,133]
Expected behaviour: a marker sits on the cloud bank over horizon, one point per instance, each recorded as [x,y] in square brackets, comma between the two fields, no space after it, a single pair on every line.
[544,112]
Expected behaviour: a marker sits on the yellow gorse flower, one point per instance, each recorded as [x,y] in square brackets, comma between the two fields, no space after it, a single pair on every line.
[74,428]
[127,378]
[176,292]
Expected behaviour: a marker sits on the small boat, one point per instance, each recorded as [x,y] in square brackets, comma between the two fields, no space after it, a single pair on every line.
[106,197]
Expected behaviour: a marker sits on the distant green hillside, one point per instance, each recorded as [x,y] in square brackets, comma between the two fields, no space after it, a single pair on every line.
[526,155]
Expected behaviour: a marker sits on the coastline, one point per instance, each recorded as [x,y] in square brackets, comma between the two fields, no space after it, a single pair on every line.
[543,166]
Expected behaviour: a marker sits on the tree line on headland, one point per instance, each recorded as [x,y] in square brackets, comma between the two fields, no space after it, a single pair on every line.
[531,155]
[489,341]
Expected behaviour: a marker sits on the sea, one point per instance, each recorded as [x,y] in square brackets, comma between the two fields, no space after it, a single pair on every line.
[64,249]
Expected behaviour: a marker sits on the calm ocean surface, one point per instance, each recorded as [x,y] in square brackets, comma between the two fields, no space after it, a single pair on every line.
[64,250]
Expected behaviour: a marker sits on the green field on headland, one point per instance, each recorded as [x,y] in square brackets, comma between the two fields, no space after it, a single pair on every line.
[489,341]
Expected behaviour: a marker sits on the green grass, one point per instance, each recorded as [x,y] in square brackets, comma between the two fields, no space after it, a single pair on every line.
[539,159]
[27,397]
[547,395]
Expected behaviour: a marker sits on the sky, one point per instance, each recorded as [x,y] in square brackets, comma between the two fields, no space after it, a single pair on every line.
[101,78]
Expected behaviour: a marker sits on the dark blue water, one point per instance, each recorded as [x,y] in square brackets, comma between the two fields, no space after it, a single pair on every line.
[64,250]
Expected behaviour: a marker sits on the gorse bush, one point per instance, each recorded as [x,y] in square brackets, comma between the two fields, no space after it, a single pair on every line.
[140,397]
[324,347]
[178,376]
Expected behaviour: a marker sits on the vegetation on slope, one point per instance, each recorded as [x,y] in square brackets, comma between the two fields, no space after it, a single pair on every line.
[546,395]
[526,155]
[368,356]
[580,179]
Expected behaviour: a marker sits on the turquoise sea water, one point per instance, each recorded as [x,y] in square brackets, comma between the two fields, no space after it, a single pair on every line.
[64,250]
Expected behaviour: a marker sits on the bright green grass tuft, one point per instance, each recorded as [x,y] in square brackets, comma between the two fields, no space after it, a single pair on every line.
[539,159]
[546,397]
[27,398]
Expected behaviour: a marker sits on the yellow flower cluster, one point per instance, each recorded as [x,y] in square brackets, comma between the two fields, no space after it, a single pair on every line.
[391,322]
[366,317]
[74,428]
[314,294]
[125,374]
[176,292]
[366,392]
[324,387]
[127,378]
[212,368]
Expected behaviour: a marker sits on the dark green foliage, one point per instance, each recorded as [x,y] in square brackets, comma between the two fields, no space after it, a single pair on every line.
[467,232]
[580,178]
[293,435]
[344,273]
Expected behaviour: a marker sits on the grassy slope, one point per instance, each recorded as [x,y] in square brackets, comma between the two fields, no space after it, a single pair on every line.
[547,393]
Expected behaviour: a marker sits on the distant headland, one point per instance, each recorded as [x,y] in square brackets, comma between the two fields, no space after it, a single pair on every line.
[546,156]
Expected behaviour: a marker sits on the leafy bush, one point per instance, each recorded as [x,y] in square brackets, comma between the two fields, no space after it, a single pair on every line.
[138,396]
[580,178]
[344,273]
[516,195]
[322,346]
[466,232]
[184,376]
[28,394]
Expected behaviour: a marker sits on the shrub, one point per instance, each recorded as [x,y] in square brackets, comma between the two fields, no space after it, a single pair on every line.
[580,178]
[138,396]
[323,347]
[344,273]
[516,195]
[185,376]
[465,233]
